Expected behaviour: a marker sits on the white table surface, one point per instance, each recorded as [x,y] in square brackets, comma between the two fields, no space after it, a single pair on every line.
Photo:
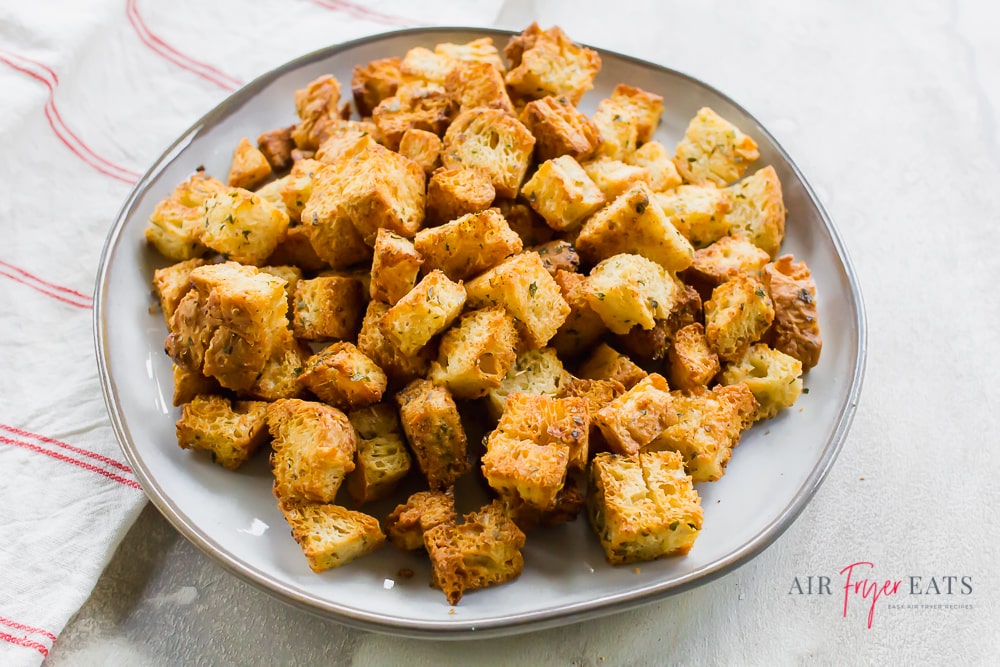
[891,109]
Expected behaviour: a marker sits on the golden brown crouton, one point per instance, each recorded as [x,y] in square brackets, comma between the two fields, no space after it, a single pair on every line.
[518,468]
[414,106]
[650,345]
[344,377]
[633,420]
[614,177]
[644,507]
[174,225]
[296,250]
[479,50]
[476,353]
[724,259]
[630,290]
[382,459]
[544,420]
[558,256]
[634,223]
[188,384]
[713,150]
[276,146]
[523,286]
[316,104]
[656,159]
[560,129]
[375,81]
[483,551]
[344,138]
[533,372]
[452,193]
[473,85]
[758,210]
[426,65]
[242,226]
[422,147]
[297,187]
[709,426]
[490,140]
[525,222]
[271,193]
[795,330]
[548,63]
[425,311]
[570,500]
[641,105]
[399,367]
[280,376]
[693,362]
[697,211]
[231,433]
[583,326]
[468,245]
[619,128]
[171,283]
[606,363]
[596,394]
[328,307]
[562,193]
[422,511]
[434,430]
[738,314]
[395,267]
[313,449]
[774,377]
[331,535]
[250,167]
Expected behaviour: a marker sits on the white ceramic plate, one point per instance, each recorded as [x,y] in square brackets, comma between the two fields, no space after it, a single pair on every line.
[232,516]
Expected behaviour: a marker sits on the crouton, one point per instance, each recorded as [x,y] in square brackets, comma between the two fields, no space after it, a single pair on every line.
[709,424]
[525,222]
[523,286]
[633,420]
[570,500]
[344,377]
[795,330]
[558,256]
[331,535]
[629,290]
[693,362]
[422,511]
[313,447]
[634,223]
[328,307]
[344,139]
[452,193]
[697,211]
[613,177]
[562,193]
[606,363]
[548,63]
[596,394]
[476,353]
[174,225]
[400,368]
[583,326]
[414,106]
[468,245]
[374,82]
[297,187]
[774,377]
[171,283]
[758,210]
[533,372]
[560,129]
[543,419]
[435,433]
[426,65]
[422,147]
[483,551]
[619,130]
[271,193]
[296,250]
[738,314]
[425,311]
[280,376]
[659,165]
[315,104]
[188,384]
[641,105]
[643,508]
[473,85]
[725,258]
[713,150]
[479,50]
[276,146]
[518,468]
[650,345]
[395,267]
[231,433]
[249,168]
[490,140]
[382,459]
[242,226]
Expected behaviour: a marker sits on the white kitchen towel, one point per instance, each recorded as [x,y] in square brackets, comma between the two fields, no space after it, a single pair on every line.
[91,93]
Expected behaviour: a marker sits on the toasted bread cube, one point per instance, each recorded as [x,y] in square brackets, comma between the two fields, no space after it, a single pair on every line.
[483,551]
[468,245]
[242,226]
[400,368]
[738,314]
[250,167]
[619,130]
[633,420]
[518,468]
[693,362]
[474,85]
[344,377]
[560,129]
[414,106]
[490,140]
[656,159]
[172,230]
[280,376]
[644,507]
[334,239]
[795,330]
[231,433]
[774,377]
[328,307]
[171,283]
[645,107]
[697,211]
[276,147]
[395,267]
[629,290]
[543,419]
[296,250]
[479,50]
[422,147]
[188,384]
[382,459]
[345,138]
[434,430]
[523,286]
[713,150]
[548,63]
[315,104]
[427,310]
[614,177]
[650,345]
[525,222]
[452,193]
[558,256]
[709,425]
[331,535]
[189,333]
[374,82]
[562,193]
[271,193]
[476,353]
[596,394]
[570,500]
[426,65]
[422,511]
[758,210]
[290,274]
[313,450]
[634,223]
[533,372]
[725,258]
[606,363]
[297,187]
[583,326]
